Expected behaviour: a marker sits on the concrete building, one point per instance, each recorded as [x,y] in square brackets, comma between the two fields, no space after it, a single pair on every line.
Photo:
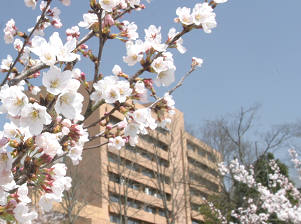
[169,171]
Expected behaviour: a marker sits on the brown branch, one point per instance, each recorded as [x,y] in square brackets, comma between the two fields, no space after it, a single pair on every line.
[24,44]
[95,146]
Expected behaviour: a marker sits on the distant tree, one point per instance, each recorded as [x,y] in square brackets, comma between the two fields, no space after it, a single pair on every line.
[230,135]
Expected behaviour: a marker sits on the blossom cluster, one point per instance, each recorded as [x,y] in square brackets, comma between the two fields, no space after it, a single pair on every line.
[43,130]
[271,201]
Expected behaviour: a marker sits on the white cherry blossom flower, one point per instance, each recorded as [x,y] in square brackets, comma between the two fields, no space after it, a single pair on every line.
[69,103]
[76,73]
[141,115]
[184,15]
[159,65]
[63,52]
[34,116]
[133,3]
[66,2]
[18,44]
[117,142]
[41,48]
[6,63]
[10,130]
[22,193]
[3,196]
[49,143]
[89,20]
[166,77]
[59,170]
[111,94]
[124,90]
[35,90]
[5,160]
[132,129]
[198,61]
[46,201]
[56,81]
[133,52]
[117,70]
[21,213]
[130,29]
[6,177]
[13,99]
[201,13]
[30,3]
[208,25]
[75,154]
[108,5]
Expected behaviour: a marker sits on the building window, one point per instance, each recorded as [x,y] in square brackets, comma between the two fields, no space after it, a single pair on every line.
[114,219]
[114,198]
[155,142]
[112,158]
[201,152]
[190,146]
[134,149]
[198,193]
[148,173]
[131,221]
[163,131]
[194,207]
[114,120]
[162,212]
[195,222]
[132,166]
[149,209]
[114,177]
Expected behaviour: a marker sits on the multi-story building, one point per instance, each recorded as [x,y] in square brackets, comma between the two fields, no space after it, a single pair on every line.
[167,173]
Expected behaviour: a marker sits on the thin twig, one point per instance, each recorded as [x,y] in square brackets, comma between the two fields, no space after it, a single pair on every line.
[24,44]
[96,146]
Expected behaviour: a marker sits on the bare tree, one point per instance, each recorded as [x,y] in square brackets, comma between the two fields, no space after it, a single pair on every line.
[230,135]
[165,151]
[79,195]
[123,184]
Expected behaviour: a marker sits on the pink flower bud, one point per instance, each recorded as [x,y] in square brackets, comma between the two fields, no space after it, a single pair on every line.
[177,20]
[108,20]
[65,130]
[84,46]
[58,119]
[56,24]
[66,123]
[121,125]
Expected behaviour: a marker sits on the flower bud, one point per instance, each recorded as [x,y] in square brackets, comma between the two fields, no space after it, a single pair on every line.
[58,119]
[13,143]
[29,142]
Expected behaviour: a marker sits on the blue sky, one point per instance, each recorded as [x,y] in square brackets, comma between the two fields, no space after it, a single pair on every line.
[253,55]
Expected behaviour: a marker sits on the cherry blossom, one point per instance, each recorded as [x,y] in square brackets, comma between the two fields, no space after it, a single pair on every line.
[21,213]
[5,160]
[56,81]
[49,126]
[63,52]
[184,15]
[34,116]
[46,201]
[6,63]
[89,20]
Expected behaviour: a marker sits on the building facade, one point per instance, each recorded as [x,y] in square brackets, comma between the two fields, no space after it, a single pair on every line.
[166,174]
